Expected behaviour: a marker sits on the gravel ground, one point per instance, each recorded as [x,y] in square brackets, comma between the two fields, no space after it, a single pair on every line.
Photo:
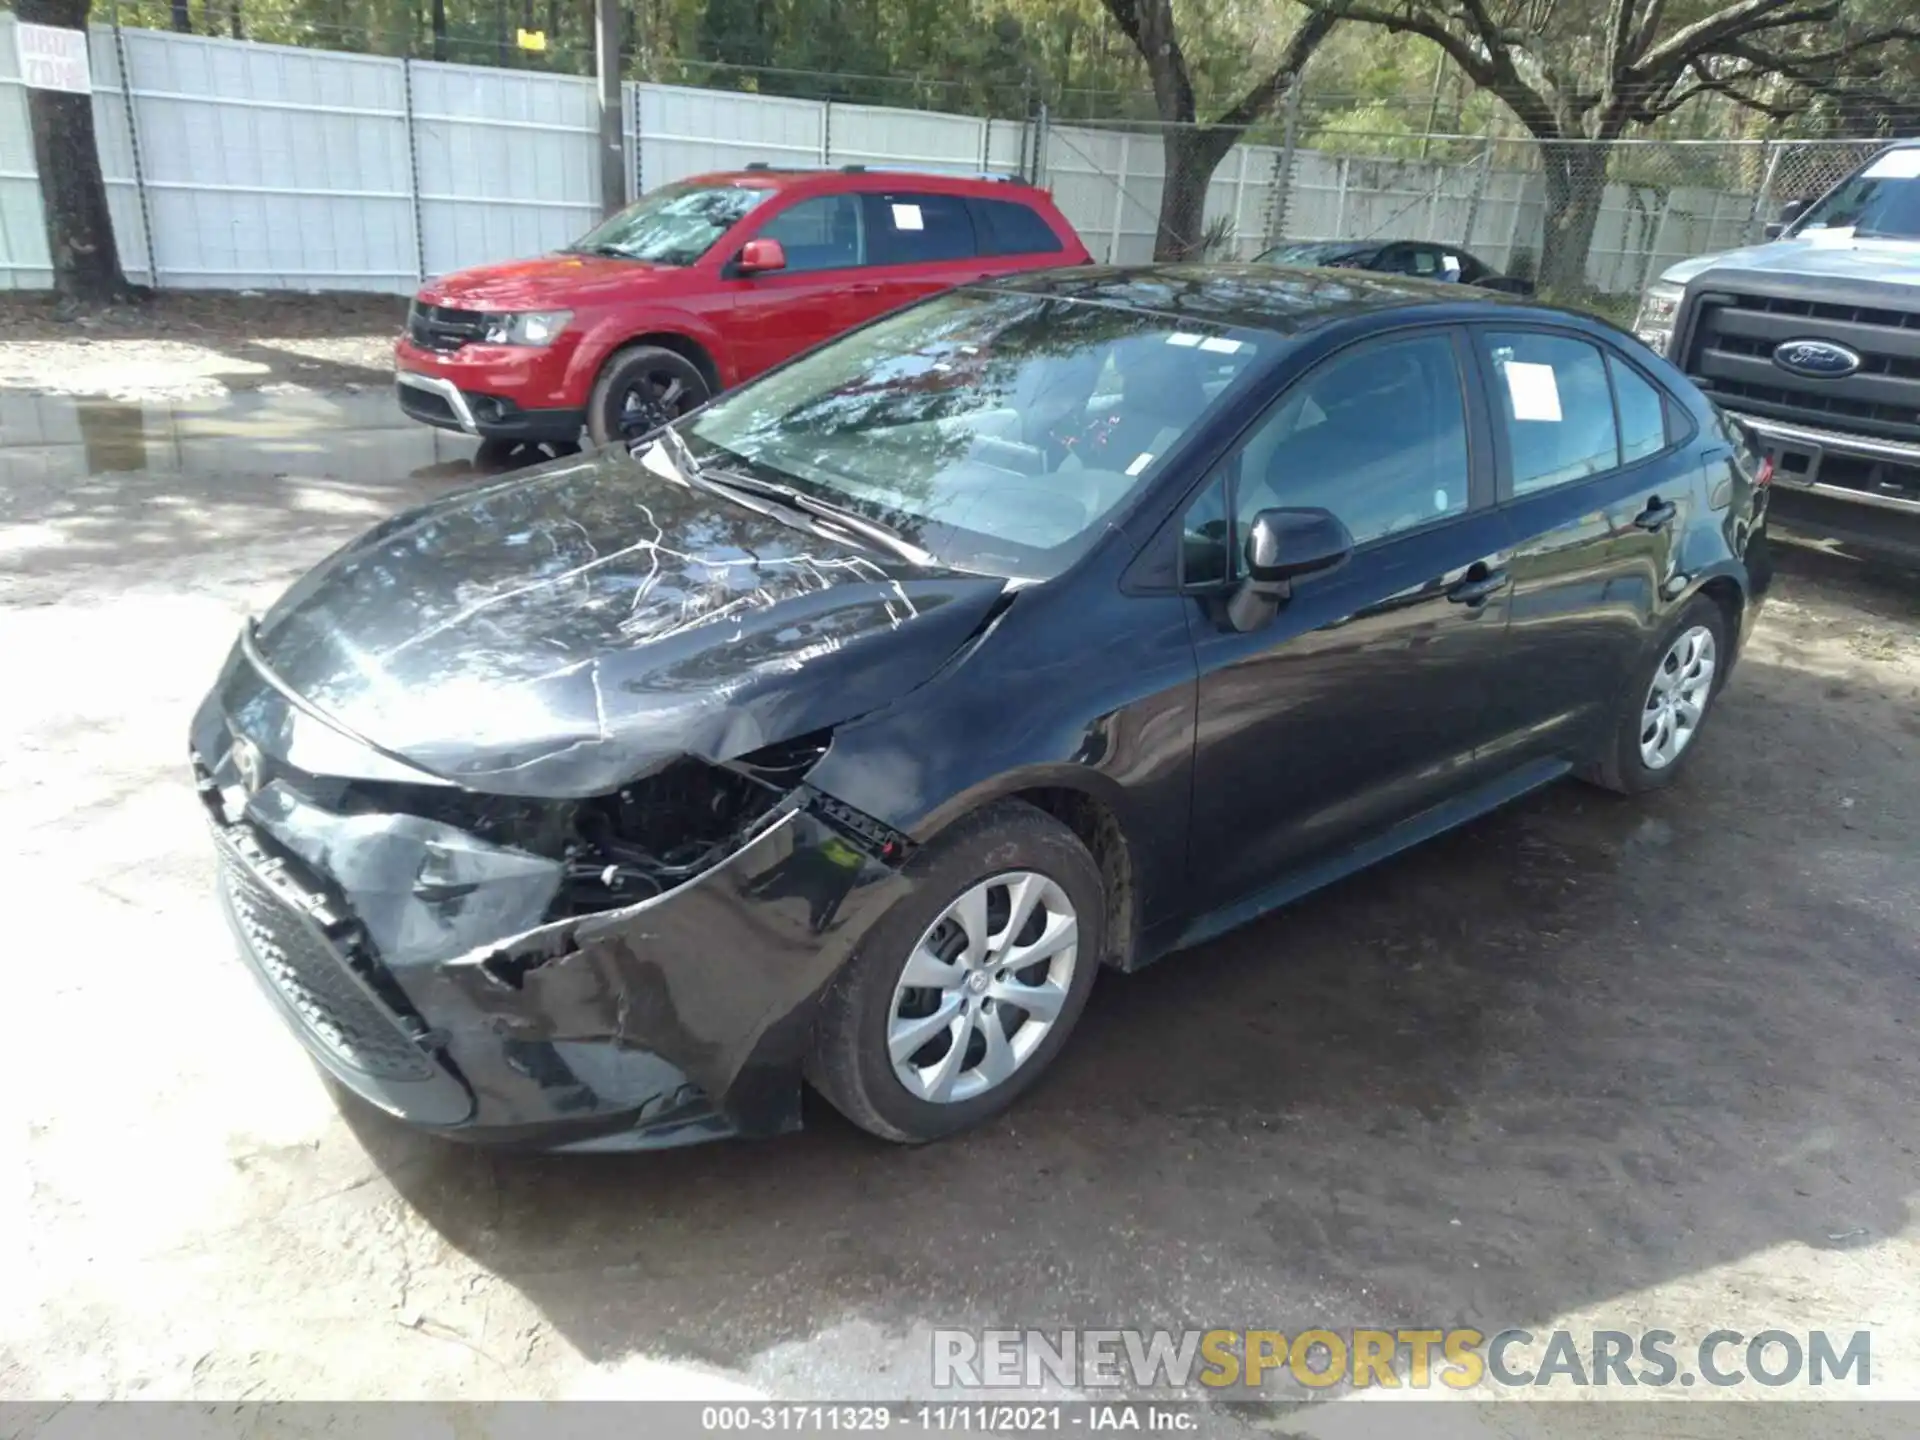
[186,344]
[1587,1062]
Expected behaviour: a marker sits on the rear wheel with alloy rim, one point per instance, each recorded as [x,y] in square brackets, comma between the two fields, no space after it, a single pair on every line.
[1666,703]
[641,389]
[965,991]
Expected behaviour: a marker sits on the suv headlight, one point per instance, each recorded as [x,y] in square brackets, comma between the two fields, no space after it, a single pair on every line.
[1654,323]
[527,327]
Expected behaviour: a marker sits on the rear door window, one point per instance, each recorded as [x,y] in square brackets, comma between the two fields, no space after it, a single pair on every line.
[1643,413]
[1550,394]
[906,228]
[1007,227]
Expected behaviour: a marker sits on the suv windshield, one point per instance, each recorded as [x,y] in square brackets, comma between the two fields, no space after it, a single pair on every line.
[675,225]
[1882,201]
[995,430]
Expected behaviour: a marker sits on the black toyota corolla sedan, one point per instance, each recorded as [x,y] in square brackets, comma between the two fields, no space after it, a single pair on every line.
[843,732]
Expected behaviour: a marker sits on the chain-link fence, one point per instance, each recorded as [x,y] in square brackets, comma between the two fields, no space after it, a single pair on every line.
[1584,221]
[235,163]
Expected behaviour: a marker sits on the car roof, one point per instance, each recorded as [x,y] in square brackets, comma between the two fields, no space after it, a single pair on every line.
[860,177]
[1280,298]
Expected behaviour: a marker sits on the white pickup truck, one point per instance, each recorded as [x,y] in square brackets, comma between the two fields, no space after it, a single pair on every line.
[1812,340]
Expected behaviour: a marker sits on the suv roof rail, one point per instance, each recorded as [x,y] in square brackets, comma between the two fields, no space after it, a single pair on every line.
[758,165]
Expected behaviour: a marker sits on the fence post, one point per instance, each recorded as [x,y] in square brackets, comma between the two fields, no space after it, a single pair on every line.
[1340,200]
[1283,172]
[1041,131]
[1485,169]
[413,171]
[826,132]
[1659,234]
[133,147]
[1119,197]
[1763,202]
[1239,202]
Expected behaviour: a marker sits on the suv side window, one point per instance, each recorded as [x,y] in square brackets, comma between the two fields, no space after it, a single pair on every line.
[1007,227]
[909,229]
[823,233]
[1552,397]
[1377,434]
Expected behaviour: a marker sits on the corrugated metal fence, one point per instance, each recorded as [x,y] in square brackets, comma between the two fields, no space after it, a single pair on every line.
[264,166]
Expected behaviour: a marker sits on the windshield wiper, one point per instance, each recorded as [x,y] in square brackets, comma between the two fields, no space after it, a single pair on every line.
[846,519]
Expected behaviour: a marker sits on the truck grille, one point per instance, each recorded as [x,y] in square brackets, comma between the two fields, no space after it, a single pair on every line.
[438,327]
[1730,355]
[336,1009]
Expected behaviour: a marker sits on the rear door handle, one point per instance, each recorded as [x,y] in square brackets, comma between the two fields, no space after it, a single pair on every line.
[1658,514]
[1477,588]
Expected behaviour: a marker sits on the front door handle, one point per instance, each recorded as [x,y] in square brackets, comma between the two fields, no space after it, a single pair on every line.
[1480,584]
[1658,514]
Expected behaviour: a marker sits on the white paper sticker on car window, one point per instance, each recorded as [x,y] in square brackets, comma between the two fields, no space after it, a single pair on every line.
[1439,502]
[907,217]
[1450,264]
[1531,388]
[1181,337]
[1220,346]
[1895,165]
[1140,462]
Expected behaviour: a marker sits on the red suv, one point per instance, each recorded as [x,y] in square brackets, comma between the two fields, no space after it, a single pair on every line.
[698,286]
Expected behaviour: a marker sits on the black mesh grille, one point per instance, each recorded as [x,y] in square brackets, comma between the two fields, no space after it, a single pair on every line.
[338,1012]
[439,327]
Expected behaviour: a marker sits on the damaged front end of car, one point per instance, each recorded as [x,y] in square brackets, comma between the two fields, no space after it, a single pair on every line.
[625,970]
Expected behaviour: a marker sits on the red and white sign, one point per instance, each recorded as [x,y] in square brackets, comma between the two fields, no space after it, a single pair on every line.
[53,58]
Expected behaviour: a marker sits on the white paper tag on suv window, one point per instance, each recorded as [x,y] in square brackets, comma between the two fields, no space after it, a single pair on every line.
[1220,345]
[1894,165]
[907,217]
[1532,390]
[1140,462]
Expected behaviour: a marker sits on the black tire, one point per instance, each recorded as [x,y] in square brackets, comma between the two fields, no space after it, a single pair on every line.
[498,453]
[643,377]
[849,1063]
[1621,766]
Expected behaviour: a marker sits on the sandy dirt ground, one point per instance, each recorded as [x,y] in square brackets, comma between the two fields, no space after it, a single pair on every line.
[1588,1062]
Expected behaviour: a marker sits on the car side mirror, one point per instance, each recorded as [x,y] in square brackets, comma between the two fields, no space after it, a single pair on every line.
[760,257]
[1789,212]
[1283,546]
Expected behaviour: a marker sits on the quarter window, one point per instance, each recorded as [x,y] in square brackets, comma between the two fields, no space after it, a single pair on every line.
[914,229]
[1009,228]
[1552,396]
[1377,435]
[1643,414]
[819,234]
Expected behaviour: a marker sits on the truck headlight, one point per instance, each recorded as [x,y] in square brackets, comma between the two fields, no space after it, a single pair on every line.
[527,327]
[1654,323]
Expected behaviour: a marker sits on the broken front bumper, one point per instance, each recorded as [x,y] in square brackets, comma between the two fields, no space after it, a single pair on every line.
[417,965]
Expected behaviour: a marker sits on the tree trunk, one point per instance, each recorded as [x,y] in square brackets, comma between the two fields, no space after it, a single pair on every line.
[1576,176]
[182,17]
[86,262]
[1193,153]
[235,24]
[440,29]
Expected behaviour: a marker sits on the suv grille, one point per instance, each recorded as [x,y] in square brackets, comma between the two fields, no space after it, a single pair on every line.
[336,1009]
[436,327]
[1730,355]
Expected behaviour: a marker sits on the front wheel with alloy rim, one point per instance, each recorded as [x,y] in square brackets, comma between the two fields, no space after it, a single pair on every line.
[1666,703]
[642,388]
[966,989]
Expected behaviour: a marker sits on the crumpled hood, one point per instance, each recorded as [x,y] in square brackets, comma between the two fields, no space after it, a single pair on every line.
[1832,254]
[546,282]
[575,627]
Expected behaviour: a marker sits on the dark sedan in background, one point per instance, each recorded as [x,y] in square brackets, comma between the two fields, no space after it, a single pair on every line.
[1422,259]
[845,729]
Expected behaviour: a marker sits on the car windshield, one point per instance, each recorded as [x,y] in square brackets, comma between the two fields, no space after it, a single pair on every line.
[675,225]
[1882,201]
[1312,252]
[996,431]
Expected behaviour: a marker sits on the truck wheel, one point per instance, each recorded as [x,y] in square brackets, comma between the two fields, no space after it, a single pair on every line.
[643,386]
[965,991]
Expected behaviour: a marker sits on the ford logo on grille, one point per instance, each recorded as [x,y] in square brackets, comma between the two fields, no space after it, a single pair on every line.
[1818,359]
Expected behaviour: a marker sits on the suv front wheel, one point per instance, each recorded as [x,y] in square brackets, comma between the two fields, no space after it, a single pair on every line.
[642,388]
